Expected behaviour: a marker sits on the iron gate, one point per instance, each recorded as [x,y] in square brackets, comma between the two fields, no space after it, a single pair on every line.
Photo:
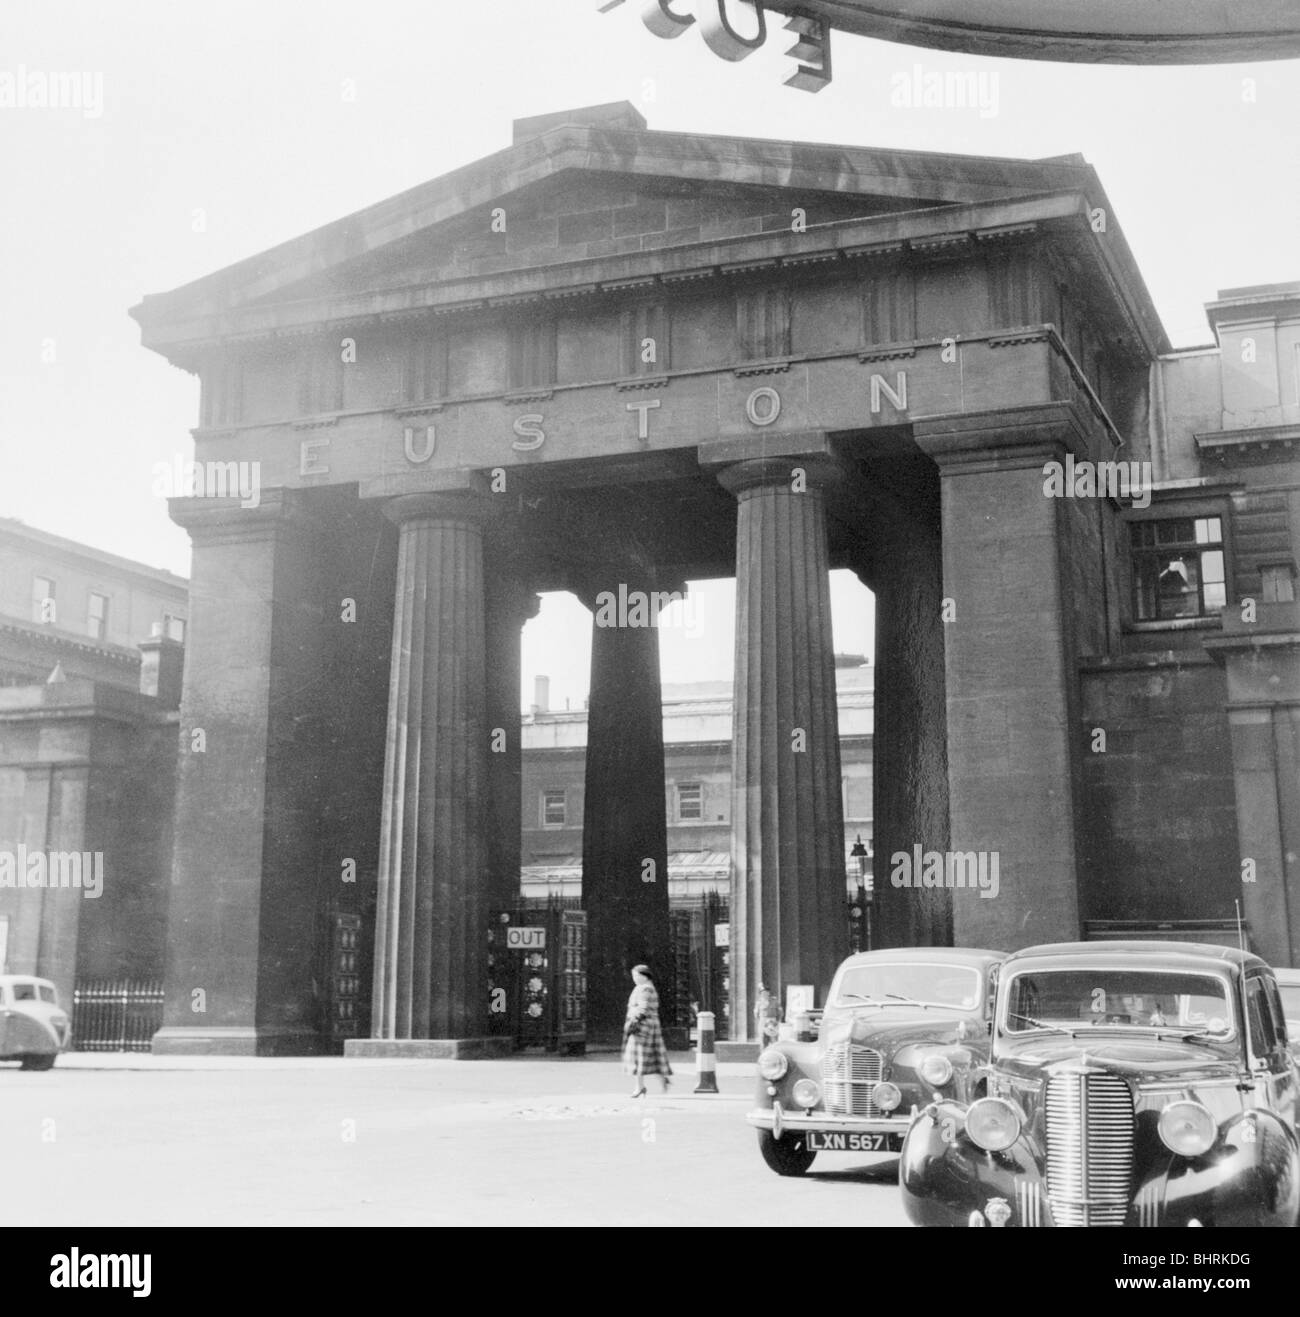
[116,1015]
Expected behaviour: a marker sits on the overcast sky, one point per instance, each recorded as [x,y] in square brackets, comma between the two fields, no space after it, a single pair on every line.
[264,120]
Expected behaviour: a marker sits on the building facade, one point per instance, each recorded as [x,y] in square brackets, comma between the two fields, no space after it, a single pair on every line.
[91,666]
[65,603]
[609,360]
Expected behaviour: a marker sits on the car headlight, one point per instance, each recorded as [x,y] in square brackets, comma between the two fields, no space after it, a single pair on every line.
[1187,1128]
[806,1093]
[992,1124]
[935,1069]
[887,1096]
[772,1064]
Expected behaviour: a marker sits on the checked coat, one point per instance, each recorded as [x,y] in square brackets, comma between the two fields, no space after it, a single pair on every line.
[644,1052]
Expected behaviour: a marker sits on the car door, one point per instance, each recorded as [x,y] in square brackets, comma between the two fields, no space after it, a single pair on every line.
[1271,1064]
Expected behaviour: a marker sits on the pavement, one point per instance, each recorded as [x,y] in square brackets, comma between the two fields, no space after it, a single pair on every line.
[120,1139]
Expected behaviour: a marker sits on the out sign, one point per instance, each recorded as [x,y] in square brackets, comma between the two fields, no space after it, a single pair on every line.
[526,939]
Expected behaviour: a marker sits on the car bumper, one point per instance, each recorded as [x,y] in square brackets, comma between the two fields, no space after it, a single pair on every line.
[779,1120]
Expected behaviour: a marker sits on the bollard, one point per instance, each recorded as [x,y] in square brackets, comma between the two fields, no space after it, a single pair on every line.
[706,1063]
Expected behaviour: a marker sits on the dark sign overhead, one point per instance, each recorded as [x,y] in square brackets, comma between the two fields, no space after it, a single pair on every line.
[1088,31]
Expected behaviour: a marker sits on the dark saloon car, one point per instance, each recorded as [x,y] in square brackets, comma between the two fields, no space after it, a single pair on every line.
[1130,1084]
[900,1028]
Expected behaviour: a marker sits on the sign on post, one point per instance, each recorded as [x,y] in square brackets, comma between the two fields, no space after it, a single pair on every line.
[526,939]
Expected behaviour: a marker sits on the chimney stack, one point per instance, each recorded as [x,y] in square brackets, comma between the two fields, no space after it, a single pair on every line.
[541,694]
[162,661]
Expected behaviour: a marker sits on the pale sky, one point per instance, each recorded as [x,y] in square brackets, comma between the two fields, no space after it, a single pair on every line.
[226,129]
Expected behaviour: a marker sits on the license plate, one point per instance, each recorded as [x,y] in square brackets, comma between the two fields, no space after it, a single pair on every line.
[851,1141]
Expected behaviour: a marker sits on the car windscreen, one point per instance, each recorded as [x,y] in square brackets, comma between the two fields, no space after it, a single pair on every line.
[954,986]
[1132,998]
[23,991]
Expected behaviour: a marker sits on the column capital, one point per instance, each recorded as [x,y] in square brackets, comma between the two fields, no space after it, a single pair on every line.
[779,475]
[589,586]
[714,454]
[1004,438]
[465,502]
[228,521]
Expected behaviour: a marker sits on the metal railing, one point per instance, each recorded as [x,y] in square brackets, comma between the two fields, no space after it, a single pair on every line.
[116,1015]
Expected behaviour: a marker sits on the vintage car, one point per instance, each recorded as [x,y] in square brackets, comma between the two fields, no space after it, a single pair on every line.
[33,1029]
[1130,1084]
[899,1028]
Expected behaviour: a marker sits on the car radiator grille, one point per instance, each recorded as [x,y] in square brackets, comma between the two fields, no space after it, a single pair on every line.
[849,1073]
[1089,1149]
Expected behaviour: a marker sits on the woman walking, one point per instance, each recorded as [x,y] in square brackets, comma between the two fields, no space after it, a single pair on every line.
[644,1052]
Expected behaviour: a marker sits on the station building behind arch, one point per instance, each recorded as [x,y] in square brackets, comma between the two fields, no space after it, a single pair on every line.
[608,358]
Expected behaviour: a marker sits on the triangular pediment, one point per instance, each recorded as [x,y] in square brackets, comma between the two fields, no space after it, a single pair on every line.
[575,190]
[581,215]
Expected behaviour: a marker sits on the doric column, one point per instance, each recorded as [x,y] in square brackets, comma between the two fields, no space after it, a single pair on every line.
[241,932]
[788,867]
[1022,586]
[429,984]
[510,603]
[624,829]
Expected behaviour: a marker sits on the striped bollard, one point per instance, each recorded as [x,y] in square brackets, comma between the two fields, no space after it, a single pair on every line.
[706,1064]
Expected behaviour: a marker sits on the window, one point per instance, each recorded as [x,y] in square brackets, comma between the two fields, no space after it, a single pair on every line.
[1263,1030]
[1101,996]
[97,616]
[173,627]
[763,323]
[532,353]
[645,339]
[690,801]
[42,599]
[1178,568]
[553,813]
[424,370]
[222,395]
[1277,583]
[320,376]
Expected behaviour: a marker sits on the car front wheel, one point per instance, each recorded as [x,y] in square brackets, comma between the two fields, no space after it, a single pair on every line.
[786,1156]
[34,1061]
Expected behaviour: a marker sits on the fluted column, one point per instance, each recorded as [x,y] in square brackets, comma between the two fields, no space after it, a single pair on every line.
[788,876]
[429,937]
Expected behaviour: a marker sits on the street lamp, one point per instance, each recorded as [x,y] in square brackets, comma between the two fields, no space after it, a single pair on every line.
[859,853]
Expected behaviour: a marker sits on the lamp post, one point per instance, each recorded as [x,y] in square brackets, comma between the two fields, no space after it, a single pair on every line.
[859,853]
